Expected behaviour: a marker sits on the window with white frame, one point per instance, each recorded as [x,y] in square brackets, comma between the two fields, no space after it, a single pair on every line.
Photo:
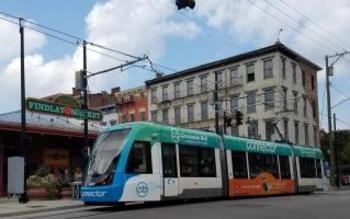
[154,96]
[165,116]
[234,77]
[177,90]
[204,110]
[177,114]
[269,96]
[204,83]
[190,112]
[253,129]
[154,116]
[234,103]
[165,95]
[250,73]
[190,87]
[268,69]
[251,102]
[220,79]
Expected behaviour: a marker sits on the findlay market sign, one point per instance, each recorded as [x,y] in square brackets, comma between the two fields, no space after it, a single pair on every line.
[58,109]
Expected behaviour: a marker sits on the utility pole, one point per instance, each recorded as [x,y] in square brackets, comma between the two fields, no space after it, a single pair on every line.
[216,104]
[225,123]
[336,151]
[330,136]
[85,105]
[329,72]
[23,198]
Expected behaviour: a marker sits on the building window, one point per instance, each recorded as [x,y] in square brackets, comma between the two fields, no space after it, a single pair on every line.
[314,109]
[285,95]
[204,110]
[142,116]
[306,133]
[234,103]
[235,130]
[132,117]
[283,68]
[204,84]
[303,78]
[294,73]
[305,106]
[189,87]
[313,82]
[190,112]
[251,102]
[269,130]
[234,77]
[220,79]
[154,96]
[139,160]
[315,136]
[269,99]
[165,116]
[177,90]
[296,132]
[253,129]
[250,73]
[177,112]
[285,127]
[295,101]
[165,93]
[268,69]
[239,164]
[154,116]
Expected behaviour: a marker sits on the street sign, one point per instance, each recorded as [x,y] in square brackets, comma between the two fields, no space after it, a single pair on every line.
[42,106]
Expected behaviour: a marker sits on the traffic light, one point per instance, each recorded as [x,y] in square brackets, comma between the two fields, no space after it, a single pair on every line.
[239,118]
[185,3]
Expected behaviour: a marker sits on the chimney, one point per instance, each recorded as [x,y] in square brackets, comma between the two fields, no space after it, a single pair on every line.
[76,92]
[115,90]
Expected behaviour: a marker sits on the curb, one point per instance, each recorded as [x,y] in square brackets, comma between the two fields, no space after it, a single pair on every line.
[29,212]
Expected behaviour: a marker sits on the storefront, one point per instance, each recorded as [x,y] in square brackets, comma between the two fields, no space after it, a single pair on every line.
[55,141]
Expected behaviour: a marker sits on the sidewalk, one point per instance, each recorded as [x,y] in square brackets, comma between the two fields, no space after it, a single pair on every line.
[11,207]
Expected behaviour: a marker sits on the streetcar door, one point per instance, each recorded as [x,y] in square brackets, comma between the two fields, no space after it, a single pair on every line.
[170,173]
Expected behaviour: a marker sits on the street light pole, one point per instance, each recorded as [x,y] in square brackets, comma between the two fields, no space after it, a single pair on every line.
[23,198]
[85,107]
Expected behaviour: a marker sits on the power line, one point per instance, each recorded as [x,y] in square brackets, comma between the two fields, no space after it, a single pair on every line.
[306,26]
[290,26]
[77,38]
[312,22]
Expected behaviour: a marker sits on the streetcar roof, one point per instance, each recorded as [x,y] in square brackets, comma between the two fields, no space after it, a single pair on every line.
[258,146]
[149,131]
[309,152]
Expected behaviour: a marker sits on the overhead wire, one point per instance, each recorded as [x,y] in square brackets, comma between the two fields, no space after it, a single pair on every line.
[290,26]
[306,17]
[305,26]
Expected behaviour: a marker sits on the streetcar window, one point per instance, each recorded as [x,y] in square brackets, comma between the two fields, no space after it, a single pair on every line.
[285,167]
[259,163]
[307,167]
[239,164]
[197,161]
[139,160]
[318,168]
[169,160]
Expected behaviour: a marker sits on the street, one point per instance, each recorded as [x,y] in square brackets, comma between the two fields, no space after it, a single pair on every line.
[319,205]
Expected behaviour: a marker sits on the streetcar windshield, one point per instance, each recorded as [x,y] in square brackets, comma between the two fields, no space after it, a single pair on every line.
[105,155]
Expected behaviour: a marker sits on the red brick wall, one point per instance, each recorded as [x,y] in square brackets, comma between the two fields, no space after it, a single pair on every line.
[125,108]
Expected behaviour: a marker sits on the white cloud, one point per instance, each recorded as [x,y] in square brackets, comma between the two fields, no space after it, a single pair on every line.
[10,41]
[135,26]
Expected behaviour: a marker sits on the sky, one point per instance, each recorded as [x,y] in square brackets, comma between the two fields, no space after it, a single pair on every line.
[215,29]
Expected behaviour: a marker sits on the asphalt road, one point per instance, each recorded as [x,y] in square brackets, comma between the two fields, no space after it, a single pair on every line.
[315,206]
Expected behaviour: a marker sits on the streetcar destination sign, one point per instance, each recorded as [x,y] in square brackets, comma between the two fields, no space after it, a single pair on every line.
[42,106]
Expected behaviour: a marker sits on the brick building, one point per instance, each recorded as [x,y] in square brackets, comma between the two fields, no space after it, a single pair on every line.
[132,105]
